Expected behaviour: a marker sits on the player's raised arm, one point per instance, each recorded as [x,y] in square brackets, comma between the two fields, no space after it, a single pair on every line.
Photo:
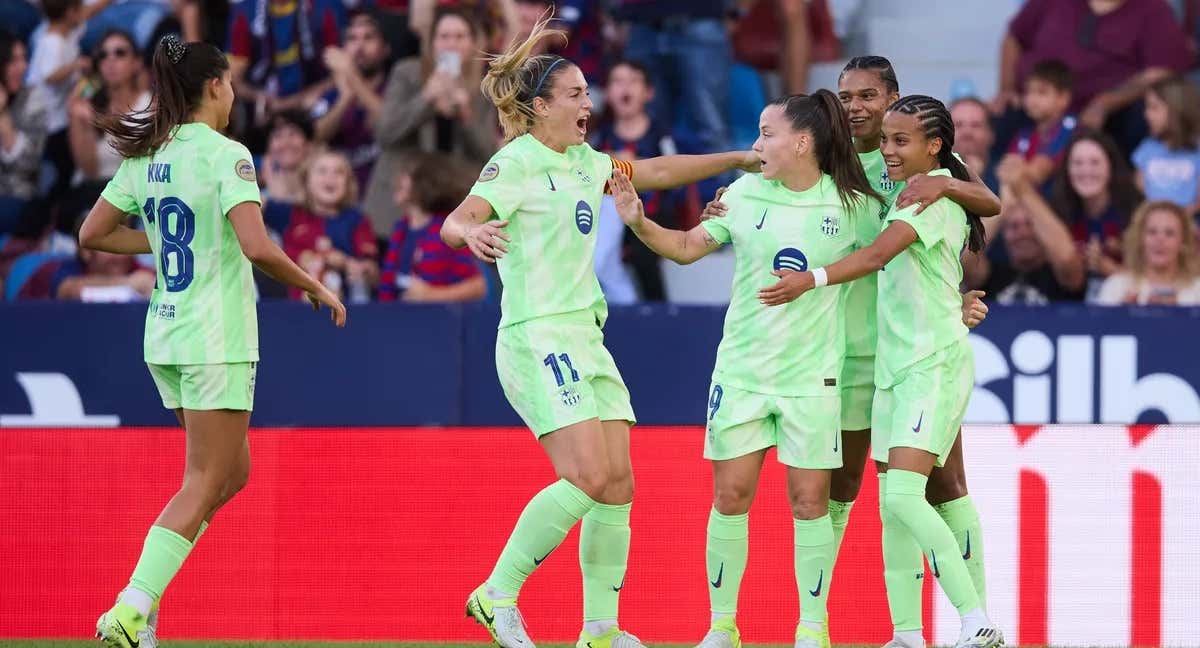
[468,225]
[668,171]
[678,246]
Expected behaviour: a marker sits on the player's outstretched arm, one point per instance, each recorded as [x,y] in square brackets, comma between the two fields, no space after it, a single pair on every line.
[468,226]
[973,196]
[103,230]
[681,247]
[872,258]
[258,247]
[669,171]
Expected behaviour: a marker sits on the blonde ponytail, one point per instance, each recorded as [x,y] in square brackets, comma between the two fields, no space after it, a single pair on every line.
[515,78]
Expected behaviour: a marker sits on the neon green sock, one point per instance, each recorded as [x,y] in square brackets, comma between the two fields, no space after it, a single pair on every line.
[814,556]
[162,556]
[839,517]
[728,546]
[903,568]
[603,557]
[963,519]
[200,532]
[906,500]
[542,526]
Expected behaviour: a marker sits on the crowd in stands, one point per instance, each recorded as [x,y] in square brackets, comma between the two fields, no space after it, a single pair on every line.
[368,127]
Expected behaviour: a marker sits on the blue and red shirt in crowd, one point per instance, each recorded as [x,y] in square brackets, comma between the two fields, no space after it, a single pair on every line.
[420,252]
[656,142]
[282,40]
[1030,143]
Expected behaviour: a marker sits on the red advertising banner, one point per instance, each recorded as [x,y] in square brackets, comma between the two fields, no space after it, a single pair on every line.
[357,534]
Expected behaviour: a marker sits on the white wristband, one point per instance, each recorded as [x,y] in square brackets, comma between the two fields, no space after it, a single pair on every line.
[819,277]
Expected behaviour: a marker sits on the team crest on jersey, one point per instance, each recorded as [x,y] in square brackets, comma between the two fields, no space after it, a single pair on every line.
[831,226]
[885,181]
[583,217]
[582,175]
[570,396]
[489,172]
[244,170]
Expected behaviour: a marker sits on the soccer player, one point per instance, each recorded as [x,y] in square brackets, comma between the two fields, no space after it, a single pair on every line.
[924,369]
[776,378]
[532,212]
[867,87]
[197,195]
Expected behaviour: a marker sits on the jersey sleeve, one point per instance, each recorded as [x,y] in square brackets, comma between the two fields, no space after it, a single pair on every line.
[502,184]
[119,191]
[930,224]
[236,181]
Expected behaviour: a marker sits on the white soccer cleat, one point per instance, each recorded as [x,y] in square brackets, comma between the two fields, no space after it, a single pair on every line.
[989,636]
[501,618]
[148,636]
[896,643]
[722,634]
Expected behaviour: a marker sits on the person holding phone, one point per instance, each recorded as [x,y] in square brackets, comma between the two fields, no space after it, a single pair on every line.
[432,104]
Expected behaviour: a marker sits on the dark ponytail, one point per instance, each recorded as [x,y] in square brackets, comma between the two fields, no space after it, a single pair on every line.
[179,74]
[935,122]
[822,115]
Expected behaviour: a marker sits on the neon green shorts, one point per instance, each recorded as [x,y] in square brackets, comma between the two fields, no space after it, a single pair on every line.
[555,372]
[858,392]
[805,430]
[227,386]
[926,408]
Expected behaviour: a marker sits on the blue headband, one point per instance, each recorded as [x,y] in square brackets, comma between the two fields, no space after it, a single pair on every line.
[545,74]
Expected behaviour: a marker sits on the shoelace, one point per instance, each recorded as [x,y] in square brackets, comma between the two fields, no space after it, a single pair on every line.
[515,623]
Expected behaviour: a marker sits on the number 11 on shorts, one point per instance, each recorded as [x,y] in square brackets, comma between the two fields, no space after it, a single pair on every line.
[552,362]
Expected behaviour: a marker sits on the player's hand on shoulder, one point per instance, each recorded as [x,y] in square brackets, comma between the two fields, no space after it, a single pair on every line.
[750,163]
[715,208]
[487,240]
[923,190]
[628,203]
[326,297]
[974,311]
[790,286]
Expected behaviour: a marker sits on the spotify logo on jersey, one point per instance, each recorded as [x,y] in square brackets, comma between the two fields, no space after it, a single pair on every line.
[791,259]
[583,217]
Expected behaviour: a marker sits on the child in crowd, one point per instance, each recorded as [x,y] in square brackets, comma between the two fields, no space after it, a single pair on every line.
[328,235]
[418,266]
[1046,100]
[1168,161]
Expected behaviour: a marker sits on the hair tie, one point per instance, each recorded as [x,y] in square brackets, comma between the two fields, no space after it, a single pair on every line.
[545,74]
[176,49]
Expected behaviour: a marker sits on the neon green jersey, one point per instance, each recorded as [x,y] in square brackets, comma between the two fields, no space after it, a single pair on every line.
[861,328]
[202,310]
[920,308]
[551,201]
[795,349]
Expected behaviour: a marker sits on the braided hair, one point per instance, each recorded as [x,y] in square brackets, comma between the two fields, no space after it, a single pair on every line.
[935,123]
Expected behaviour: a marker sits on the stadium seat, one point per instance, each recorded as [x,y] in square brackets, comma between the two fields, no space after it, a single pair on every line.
[25,267]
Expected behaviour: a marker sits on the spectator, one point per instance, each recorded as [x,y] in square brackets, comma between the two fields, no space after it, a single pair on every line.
[973,137]
[418,266]
[631,133]
[1095,193]
[1046,99]
[94,276]
[432,104]
[328,235]
[117,89]
[1041,264]
[1162,265]
[275,52]
[345,116]
[22,133]
[1168,161]
[684,45]
[1115,48]
[54,70]
[288,146]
